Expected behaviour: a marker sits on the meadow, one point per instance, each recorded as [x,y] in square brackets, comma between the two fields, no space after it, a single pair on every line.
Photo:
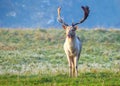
[35,57]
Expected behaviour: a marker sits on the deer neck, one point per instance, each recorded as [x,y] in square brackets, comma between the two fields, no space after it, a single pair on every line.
[71,42]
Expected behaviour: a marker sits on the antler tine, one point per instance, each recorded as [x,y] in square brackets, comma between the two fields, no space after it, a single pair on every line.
[59,17]
[86,13]
[58,10]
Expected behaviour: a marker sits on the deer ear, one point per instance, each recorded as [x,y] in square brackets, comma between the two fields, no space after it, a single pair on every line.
[75,27]
[64,27]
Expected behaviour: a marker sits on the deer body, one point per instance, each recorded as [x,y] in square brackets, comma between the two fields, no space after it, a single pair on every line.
[72,48]
[73,45]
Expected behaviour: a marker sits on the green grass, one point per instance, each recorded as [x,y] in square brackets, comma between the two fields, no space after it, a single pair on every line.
[84,79]
[36,57]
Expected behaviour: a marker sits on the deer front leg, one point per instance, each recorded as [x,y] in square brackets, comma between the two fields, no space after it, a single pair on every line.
[76,66]
[70,66]
[73,66]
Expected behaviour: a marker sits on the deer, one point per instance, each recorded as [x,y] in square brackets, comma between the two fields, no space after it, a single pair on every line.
[73,44]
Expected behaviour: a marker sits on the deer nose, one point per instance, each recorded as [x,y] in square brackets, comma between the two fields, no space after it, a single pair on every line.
[70,35]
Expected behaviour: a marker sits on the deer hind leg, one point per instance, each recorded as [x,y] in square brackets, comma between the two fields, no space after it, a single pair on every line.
[74,63]
[75,66]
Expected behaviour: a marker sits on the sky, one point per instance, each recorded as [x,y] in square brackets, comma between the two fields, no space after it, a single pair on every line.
[43,13]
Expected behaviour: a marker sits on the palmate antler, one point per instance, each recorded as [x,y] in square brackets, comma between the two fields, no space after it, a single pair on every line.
[86,13]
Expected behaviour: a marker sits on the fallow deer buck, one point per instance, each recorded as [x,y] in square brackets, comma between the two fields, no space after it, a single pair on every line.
[72,45]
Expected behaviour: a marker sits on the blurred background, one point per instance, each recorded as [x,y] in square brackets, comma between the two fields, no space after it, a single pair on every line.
[43,13]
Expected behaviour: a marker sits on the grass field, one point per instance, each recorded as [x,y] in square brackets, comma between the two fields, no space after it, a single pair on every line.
[36,57]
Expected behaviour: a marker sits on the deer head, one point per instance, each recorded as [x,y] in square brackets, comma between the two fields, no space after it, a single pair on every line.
[70,30]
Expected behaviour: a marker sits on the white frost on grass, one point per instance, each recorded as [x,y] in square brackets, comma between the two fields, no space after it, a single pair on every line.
[47,68]
[33,63]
